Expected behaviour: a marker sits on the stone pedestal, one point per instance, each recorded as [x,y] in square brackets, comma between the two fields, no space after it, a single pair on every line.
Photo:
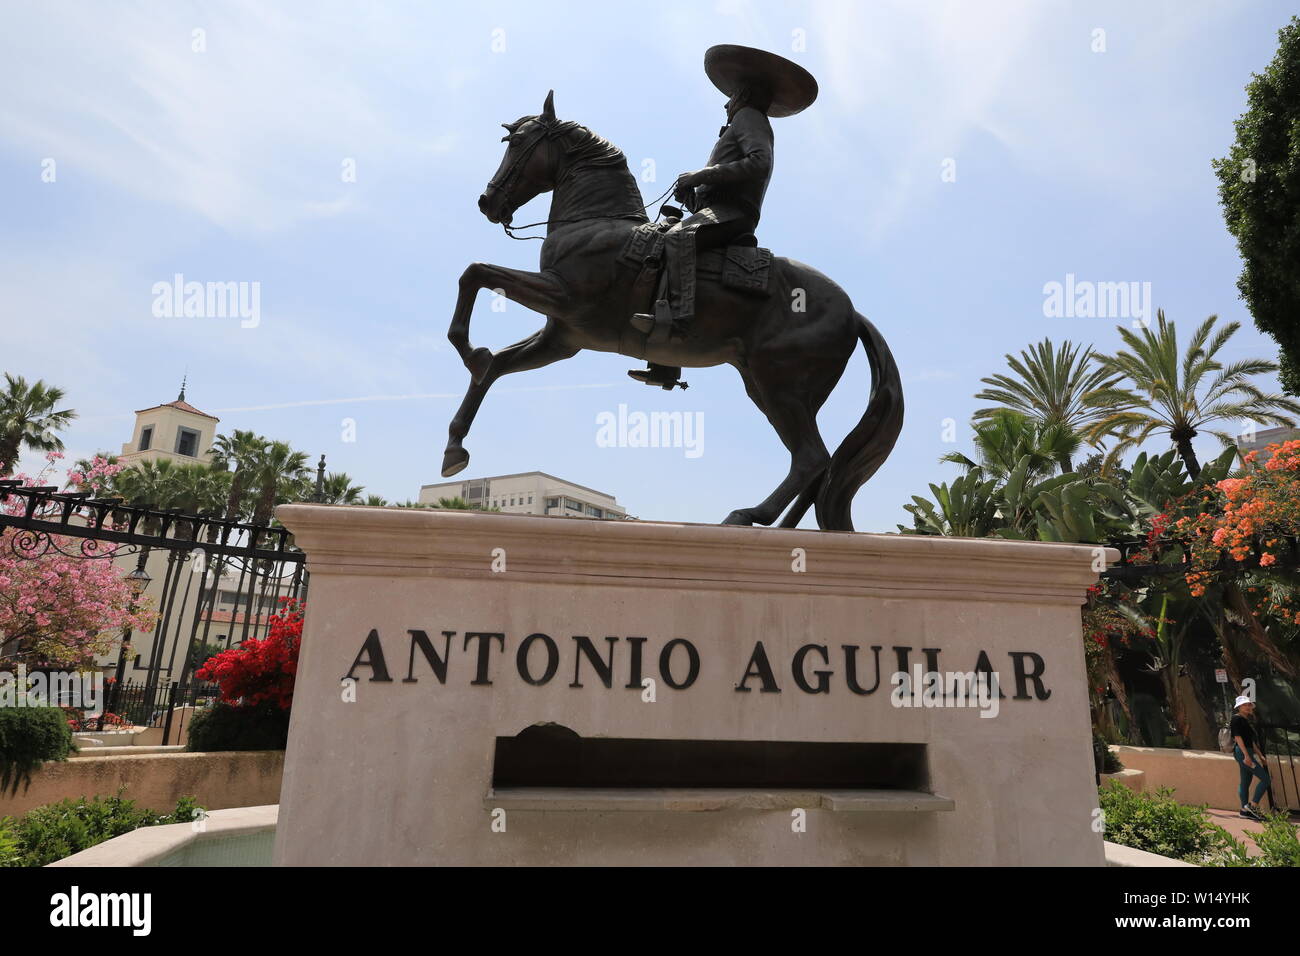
[705,695]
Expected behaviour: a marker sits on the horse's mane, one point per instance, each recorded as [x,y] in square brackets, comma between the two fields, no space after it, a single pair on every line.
[585,149]
[591,149]
[608,188]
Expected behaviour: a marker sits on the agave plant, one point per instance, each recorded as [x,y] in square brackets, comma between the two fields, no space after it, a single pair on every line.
[967,508]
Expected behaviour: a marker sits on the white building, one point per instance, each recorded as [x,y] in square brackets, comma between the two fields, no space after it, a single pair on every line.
[1262,439]
[528,493]
[177,430]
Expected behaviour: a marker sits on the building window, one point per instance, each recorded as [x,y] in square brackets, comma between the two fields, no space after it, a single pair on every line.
[187,442]
[146,437]
[573,505]
[530,499]
[552,502]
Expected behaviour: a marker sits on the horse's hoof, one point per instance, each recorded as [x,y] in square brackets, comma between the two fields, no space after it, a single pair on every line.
[478,363]
[742,516]
[454,461]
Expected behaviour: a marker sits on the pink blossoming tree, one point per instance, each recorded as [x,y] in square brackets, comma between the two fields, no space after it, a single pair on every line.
[58,607]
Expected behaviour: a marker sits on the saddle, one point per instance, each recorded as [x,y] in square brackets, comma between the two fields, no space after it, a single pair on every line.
[742,265]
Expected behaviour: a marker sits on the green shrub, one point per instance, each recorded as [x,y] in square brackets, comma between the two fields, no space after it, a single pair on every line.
[9,845]
[1159,824]
[1106,761]
[1280,841]
[227,727]
[54,831]
[29,736]
[1279,845]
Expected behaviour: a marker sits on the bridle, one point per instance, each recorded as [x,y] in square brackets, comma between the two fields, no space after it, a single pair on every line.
[515,169]
[507,180]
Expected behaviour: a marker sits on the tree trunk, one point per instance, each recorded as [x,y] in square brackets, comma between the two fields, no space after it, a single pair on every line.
[1169,674]
[236,494]
[1188,455]
[8,457]
[1237,602]
[1121,693]
[1223,629]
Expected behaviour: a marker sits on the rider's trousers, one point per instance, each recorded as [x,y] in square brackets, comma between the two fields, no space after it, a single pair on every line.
[706,229]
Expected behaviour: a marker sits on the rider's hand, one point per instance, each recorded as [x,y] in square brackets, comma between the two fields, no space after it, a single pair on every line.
[684,191]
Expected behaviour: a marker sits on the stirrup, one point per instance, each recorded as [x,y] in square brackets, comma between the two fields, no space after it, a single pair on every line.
[649,377]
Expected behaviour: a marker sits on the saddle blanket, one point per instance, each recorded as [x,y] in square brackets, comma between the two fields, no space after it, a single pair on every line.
[745,268]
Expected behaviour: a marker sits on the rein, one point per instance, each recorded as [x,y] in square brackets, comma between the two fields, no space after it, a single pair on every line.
[516,168]
[563,222]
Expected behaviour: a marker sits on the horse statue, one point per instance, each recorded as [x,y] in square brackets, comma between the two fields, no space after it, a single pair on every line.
[790,347]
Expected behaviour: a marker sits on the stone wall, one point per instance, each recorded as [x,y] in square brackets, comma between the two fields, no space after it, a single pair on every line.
[1197,776]
[216,780]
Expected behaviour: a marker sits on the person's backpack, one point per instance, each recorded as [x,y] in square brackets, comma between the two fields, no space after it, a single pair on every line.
[1226,743]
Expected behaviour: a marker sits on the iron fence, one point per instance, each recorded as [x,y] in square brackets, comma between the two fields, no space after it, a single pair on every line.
[213,582]
[140,704]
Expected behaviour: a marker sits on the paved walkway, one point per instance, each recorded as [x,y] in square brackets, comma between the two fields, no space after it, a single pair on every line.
[1237,825]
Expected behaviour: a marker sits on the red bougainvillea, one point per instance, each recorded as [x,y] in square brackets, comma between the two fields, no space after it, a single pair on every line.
[261,670]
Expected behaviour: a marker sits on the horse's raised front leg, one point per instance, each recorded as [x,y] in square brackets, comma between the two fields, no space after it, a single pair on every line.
[540,348]
[540,291]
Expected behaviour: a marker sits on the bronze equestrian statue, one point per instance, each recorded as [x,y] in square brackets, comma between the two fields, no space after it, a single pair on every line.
[786,328]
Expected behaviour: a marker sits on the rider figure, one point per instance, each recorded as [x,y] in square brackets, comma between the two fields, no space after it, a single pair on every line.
[726,197]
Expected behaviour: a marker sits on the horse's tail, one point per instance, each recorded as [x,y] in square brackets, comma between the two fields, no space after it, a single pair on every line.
[865,448]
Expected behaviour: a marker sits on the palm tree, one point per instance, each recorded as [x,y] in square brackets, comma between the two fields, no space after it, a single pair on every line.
[1006,436]
[148,484]
[1048,387]
[280,475]
[375,501]
[240,449]
[201,489]
[452,504]
[1175,399]
[28,419]
[338,489]
[1175,394]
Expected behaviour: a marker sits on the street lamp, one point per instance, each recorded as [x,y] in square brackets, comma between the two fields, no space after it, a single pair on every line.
[138,580]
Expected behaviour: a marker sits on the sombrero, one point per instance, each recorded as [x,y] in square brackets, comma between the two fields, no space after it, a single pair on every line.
[732,67]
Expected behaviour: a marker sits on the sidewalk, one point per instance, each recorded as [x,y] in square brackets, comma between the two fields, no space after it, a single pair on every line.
[1237,825]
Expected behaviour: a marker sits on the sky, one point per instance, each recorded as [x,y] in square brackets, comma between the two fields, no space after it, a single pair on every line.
[959,158]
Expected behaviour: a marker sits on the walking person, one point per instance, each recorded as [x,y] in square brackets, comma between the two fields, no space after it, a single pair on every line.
[1250,762]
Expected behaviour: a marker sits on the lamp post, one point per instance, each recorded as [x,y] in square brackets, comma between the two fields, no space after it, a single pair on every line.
[138,579]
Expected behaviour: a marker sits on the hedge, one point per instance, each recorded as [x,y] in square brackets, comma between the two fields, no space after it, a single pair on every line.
[29,736]
[227,727]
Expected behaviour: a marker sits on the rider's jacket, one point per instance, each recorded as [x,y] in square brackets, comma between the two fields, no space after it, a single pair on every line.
[735,181]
